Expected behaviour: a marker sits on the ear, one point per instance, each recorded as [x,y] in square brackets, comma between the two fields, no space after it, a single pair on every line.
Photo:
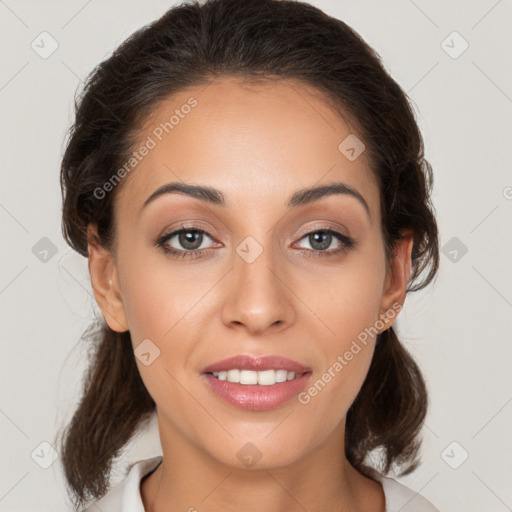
[397,278]
[105,283]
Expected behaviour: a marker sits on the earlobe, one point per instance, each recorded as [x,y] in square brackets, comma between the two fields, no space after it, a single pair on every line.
[105,283]
[397,278]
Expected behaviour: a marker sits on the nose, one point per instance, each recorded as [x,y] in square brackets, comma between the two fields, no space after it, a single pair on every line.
[258,298]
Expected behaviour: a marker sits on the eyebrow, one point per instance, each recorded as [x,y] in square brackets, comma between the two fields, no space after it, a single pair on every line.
[216,197]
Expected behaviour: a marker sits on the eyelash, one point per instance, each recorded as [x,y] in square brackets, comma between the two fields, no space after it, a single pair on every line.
[346,243]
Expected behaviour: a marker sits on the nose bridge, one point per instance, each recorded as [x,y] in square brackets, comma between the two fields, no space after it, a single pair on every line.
[253,263]
[257,298]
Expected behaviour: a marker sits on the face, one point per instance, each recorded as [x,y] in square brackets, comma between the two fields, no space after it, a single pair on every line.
[261,271]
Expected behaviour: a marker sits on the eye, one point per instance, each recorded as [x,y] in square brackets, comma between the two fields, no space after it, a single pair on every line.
[184,242]
[322,239]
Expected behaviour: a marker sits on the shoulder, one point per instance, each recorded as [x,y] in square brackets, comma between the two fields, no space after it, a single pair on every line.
[125,495]
[400,498]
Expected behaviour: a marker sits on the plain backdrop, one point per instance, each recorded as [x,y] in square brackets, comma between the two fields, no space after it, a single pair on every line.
[459,329]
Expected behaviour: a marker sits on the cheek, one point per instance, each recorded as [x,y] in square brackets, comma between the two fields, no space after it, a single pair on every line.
[349,309]
[157,295]
[347,296]
[163,304]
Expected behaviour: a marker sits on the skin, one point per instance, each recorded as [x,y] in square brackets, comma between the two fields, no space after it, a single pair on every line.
[258,145]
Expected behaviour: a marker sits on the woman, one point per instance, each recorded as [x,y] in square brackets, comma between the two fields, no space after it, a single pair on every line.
[249,186]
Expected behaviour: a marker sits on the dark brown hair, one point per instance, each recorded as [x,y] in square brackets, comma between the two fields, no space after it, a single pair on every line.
[193,44]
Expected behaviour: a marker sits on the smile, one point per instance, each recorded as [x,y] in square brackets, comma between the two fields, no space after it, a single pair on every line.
[256,383]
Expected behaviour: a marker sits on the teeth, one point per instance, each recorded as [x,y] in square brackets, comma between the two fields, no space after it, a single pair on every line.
[250,377]
[281,375]
[233,376]
[266,378]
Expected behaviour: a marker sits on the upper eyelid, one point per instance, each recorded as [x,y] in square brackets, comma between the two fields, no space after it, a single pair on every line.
[172,233]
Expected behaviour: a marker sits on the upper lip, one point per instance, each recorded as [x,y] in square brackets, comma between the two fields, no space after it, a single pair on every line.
[256,363]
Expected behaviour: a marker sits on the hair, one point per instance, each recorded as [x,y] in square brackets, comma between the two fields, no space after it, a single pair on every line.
[192,44]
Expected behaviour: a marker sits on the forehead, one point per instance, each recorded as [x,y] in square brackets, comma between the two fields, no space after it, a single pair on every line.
[255,142]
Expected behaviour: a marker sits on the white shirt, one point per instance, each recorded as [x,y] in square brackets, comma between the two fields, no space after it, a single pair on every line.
[125,496]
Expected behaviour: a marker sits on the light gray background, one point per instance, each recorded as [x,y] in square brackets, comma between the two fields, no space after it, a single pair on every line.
[459,329]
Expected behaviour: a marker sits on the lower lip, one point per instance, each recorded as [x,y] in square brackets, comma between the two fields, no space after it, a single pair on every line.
[257,398]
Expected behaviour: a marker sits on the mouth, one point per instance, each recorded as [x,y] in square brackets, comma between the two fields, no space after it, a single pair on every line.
[256,383]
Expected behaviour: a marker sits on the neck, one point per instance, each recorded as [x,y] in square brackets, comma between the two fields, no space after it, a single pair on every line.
[188,479]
